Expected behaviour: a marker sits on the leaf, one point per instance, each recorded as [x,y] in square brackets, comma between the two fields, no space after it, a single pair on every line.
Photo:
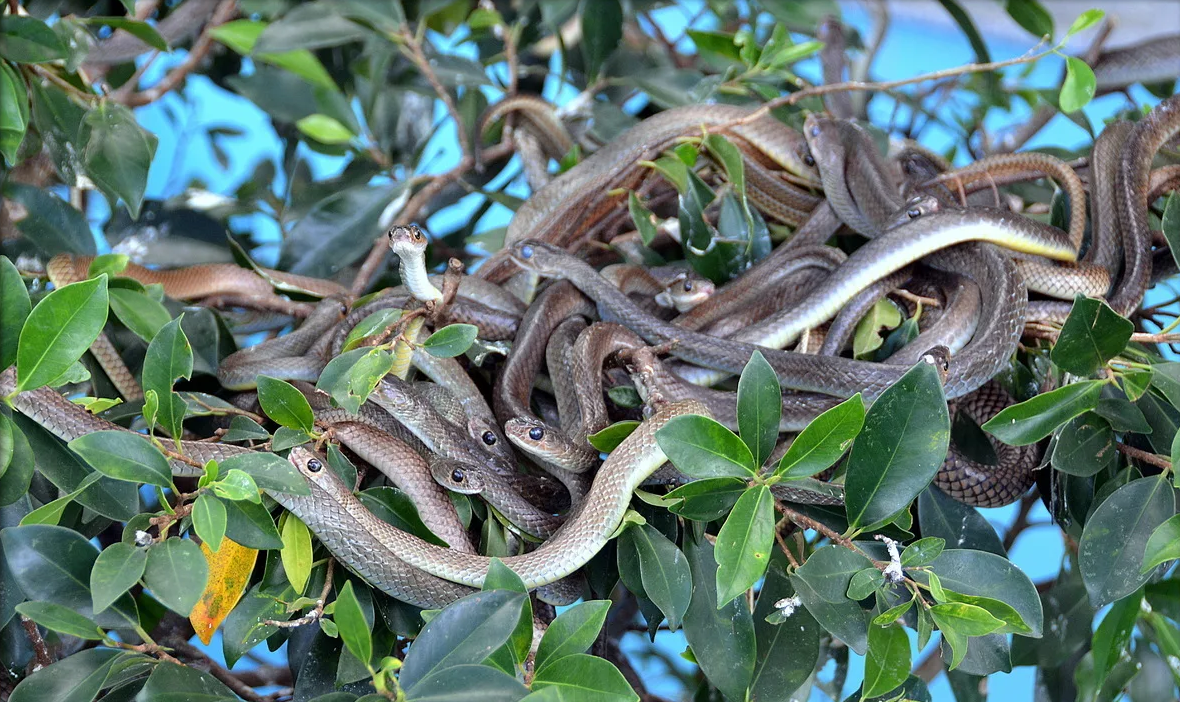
[1113,543]
[138,312]
[642,217]
[986,575]
[664,572]
[707,499]
[310,26]
[1092,335]
[609,438]
[468,682]
[823,440]
[1032,16]
[1170,223]
[140,30]
[60,619]
[29,40]
[1078,88]
[958,621]
[370,325]
[845,620]
[269,472]
[585,677]
[284,404]
[867,339]
[354,629]
[602,30]
[16,309]
[1114,633]
[337,378]
[1164,544]
[1032,420]
[865,583]
[236,486]
[172,683]
[1084,447]
[118,153]
[241,35]
[700,447]
[124,455]
[759,407]
[501,577]
[209,520]
[787,652]
[902,446]
[829,572]
[76,678]
[52,224]
[887,664]
[243,429]
[14,113]
[230,568]
[573,631]
[325,129]
[59,330]
[961,526]
[336,230]
[176,573]
[722,638]
[744,543]
[922,551]
[116,570]
[465,632]
[296,553]
[1087,19]
[450,341]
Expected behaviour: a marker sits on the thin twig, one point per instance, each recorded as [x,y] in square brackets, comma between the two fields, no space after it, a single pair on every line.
[40,652]
[413,51]
[1162,462]
[240,688]
[317,611]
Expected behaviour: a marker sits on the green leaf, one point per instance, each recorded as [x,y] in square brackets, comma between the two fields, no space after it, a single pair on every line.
[642,217]
[501,577]
[665,574]
[887,664]
[573,631]
[706,500]
[868,337]
[585,677]
[787,652]
[14,113]
[902,446]
[759,406]
[1032,16]
[243,429]
[171,683]
[310,26]
[744,543]
[1092,335]
[169,357]
[922,552]
[465,632]
[1078,88]
[76,678]
[1087,19]
[450,341]
[284,404]
[845,619]
[1084,447]
[1114,541]
[60,619]
[29,40]
[602,30]
[354,629]
[59,330]
[138,312]
[296,554]
[118,153]
[829,572]
[236,486]
[52,224]
[958,621]
[370,325]
[140,30]
[16,309]
[176,573]
[269,472]
[1032,420]
[1170,224]
[111,264]
[893,613]
[722,639]
[960,525]
[325,129]
[249,524]
[609,438]
[824,440]
[124,455]
[865,583]
[337,377]
[209,520]
[986,575]
[1114,633]
[702,448]
[1164,544]
[241,35]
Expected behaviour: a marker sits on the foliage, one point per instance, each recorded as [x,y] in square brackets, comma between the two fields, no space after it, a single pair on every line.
[761,604]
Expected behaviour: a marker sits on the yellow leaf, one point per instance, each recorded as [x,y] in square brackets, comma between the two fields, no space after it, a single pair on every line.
[229,573]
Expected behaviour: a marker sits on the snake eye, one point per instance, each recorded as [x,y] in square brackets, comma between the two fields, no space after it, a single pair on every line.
[536,433]
[489,438]
[314,465]
[458,476]
[688,286]
[526,251]
[815,130]
[913,212]
[809,160]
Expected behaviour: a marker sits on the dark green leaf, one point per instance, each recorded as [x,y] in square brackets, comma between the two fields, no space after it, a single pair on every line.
[116,570]
[169,357]
[865,583]
[337,229]
[887,664]
[118,153]
[501,577]
[310,26]
[354,629]
[1170,223]
[465,632]
[1111,550]
[249,524]
[722,639]
[450,341]
[209,520]
[824,440]
[706,500]
[759,407]
[1085,446]
[585,677]
[76,678]
[787,652]
[1092,335]
[980,574]
[140,30]
[124,455]
[370,325]
[922,551]
[642,217]
[960,525]
[138,312]
[1032,420]
[59,330]
[269,472]
[1032,16]
[243,429]
[28,40]
[573,631]
[744,542]
[52,224]
[60,619]
[284,404]
[845,620]
[1078,88]
[902,445]
[829,572]
[700,447]
[16,309]
[1114,633]
[609,438]
[394,506]
[176,573]
[602,29]
[1164,544]
[14,113]
[666,577]
[467,682]
[179,683]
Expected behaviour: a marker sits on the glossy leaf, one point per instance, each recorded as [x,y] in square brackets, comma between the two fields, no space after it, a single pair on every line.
[26,39]
[168,678]
[1112,547]
[325,129]
[270,472]
[980,574]
[961,526]
[1084,447]
[236,486]
[16,309]
[823,440]
[370,325]
[609,438]
[642,217]
[59,330]
[230,568]
[77,677]
[284,404]
[585,677]
[744,543]
[1031,15]
[922,551]
[118,153]
[1078,88]
[354,630]
[887,664]
[1114,633]
[209,520]
[249,524]
[468,682]
[176,573]
[450,341]
[573,631]
[60,619]
[707,499]
[1032,420]
[124,455]
[759,407]
[904,442]
[602,29]
[665,574]
[958,621]
[1164,544]
[116,570]
[138,312]
[702,448]
[296,553]
[787,652]
[241,35]
[865,583]
[721,638]
[1092,335]
[501,577]
[14,113]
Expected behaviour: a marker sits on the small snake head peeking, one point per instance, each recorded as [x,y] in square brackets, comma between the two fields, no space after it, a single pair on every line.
[407,239]
[457,476]
[538,257]
[915,208]
[686,292]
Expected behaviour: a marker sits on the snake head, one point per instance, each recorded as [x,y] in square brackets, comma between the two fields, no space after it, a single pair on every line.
[407,240]
[915,208]
[542,441]
[314,468]
[457,476]
[539,257]
[940,358]
[686,292]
